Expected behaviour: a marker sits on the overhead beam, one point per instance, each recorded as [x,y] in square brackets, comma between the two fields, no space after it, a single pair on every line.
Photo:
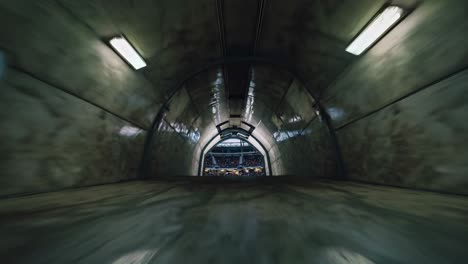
[222,43]
[258,30]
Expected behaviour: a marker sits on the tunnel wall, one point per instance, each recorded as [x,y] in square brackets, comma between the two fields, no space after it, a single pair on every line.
[53,140]
[176,138]
[296,138]
[72,112]
[400,110]
[172,152]
[283,115]
[302,147]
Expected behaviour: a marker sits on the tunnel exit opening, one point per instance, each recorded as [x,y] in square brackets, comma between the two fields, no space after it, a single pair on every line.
[234,156]
[233,152]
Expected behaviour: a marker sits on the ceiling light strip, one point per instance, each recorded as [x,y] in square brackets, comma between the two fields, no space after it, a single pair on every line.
[374,30]
[121,45]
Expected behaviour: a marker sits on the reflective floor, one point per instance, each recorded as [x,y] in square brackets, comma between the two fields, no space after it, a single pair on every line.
[248,222]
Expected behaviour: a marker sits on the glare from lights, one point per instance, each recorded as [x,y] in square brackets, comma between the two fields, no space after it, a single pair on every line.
[194,135]
[125,49]
[130,131]
[295,119]
[280,136]
[137,257]
[216,88]
[249,104]
[294,133]
[342,255]
[375,30]
[335,113]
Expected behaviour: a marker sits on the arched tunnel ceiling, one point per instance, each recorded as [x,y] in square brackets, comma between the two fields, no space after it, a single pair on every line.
[278,107]
[215,140]
[59,67]
[308,36]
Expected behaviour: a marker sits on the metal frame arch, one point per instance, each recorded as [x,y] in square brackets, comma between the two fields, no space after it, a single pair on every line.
[202,153]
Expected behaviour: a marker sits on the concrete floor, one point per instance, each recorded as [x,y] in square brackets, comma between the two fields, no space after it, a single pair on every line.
[250,222]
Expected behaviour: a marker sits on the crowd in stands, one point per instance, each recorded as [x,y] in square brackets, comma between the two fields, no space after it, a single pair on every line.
[209,162]
[233,161]
[253,161]
[234,172]
[227,161]
[219,165]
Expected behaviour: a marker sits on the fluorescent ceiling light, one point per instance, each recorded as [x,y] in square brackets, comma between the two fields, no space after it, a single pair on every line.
[126,51]
[375,29]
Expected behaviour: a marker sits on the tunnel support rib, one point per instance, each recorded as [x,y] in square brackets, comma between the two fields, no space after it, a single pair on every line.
[145,166]
[202,154]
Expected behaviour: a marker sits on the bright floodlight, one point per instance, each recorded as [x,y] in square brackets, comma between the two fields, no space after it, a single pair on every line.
[375,29]
[123,47]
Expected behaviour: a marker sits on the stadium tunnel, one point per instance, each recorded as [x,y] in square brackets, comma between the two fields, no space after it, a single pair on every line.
[240,134]
[75,114]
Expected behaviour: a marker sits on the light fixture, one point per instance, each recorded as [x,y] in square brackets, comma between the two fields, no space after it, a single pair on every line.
[121,45]
[375,29]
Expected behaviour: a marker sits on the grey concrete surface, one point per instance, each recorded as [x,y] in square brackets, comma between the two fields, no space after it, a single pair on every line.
[62,45]
[419,142]
[50,43]
[172,152]
[400,109]
[428,45]
[275,221]
[175,40]
[52,140]
[278,105]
